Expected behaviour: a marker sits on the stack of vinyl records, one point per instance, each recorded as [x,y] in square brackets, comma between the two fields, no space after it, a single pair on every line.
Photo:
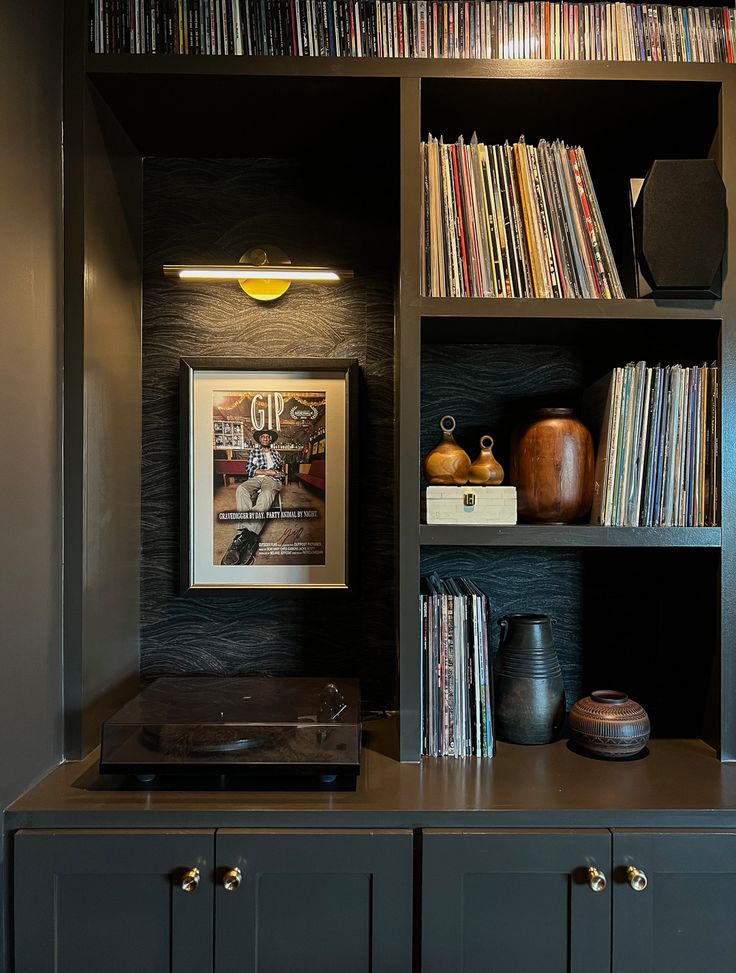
[414,28]
[512,221]
[658,454]
[456,672]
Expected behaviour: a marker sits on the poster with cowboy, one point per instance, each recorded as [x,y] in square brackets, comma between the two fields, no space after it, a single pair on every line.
[266,472]
[269,455]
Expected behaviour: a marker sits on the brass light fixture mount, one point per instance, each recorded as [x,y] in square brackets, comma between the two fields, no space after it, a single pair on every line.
[265,289]
[264,272]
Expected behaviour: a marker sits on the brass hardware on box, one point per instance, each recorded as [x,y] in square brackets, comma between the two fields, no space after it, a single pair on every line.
[231,879]
[596,879]
[636,878]
[190,880]
[469,498]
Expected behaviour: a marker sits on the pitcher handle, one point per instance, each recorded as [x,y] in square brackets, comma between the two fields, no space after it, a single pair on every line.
[504,626]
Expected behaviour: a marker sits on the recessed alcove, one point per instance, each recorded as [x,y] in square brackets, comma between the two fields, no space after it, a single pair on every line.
[623,125]
[181,170]
[488,373]
[613,623]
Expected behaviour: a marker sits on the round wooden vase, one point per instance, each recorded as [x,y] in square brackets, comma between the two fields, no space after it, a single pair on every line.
[609,724]
[552,467]
[447,464]
[486,470]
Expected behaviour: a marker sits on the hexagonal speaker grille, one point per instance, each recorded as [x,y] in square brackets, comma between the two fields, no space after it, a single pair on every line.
[680,226]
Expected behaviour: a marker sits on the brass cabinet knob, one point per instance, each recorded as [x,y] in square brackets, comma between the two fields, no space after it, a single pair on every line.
[637,879]
[596,879]
[190,880]
[231,879]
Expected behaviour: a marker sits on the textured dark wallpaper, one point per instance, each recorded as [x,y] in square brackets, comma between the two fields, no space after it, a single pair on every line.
[537,579]
[488,388]
[212,211]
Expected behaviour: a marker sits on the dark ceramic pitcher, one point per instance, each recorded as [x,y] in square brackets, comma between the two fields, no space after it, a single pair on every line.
[529,692]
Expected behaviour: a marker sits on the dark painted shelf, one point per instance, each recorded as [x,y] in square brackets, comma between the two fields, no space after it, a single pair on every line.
[553,308]
[563,535]
[215,64]
[544,786]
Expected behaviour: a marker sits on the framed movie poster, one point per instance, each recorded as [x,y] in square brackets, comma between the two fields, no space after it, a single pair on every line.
[266,473]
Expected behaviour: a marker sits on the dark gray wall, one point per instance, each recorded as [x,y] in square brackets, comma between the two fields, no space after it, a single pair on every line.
[212,211]
[102,393]
[30,251]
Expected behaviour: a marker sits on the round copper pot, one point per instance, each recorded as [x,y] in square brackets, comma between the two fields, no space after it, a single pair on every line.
[609,724]
[552,467]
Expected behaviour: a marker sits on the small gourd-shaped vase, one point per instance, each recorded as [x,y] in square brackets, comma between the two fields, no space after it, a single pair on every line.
[447,464]
[486,470]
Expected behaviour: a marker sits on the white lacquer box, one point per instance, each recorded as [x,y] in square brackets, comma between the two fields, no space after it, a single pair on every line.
[471,505]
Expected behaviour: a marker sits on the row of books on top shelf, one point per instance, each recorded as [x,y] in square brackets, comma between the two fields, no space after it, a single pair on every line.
[658,454]
[512,221]
[414,28]
[457,688]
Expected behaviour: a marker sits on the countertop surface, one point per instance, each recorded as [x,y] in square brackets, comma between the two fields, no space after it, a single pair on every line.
[675,783]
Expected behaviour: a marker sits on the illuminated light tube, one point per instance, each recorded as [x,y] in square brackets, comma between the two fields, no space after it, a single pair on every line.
[243,272]
[264,273]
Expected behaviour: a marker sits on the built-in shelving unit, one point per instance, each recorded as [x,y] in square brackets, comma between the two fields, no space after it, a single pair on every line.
[625,114]
[461,355]
[439,863]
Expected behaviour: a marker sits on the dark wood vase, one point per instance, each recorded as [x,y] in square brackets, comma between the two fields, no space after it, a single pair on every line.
[486,470]
[552,467]
[609,724]
[447,464]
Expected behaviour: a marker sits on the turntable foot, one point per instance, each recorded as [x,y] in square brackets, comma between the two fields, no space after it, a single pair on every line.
[145,778]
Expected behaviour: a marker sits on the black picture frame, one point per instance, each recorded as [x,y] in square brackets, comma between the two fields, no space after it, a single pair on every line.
[344,472]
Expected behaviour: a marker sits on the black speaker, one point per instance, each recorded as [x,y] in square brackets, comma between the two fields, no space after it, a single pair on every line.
[679,225]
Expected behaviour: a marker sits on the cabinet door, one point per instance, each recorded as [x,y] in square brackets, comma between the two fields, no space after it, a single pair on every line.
[87,901]
[496,901]
[314,901]
[685,917]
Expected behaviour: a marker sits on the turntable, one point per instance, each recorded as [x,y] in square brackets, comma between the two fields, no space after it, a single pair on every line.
[274,731]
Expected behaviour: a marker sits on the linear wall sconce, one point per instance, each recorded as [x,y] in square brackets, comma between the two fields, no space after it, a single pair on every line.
[264,273]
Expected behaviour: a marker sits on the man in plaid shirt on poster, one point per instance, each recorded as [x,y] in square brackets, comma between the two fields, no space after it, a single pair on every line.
[257,493]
